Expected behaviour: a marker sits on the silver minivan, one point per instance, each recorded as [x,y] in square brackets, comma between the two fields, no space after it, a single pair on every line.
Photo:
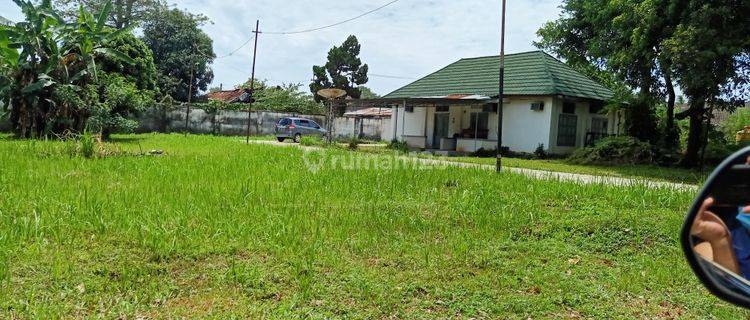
[295,128]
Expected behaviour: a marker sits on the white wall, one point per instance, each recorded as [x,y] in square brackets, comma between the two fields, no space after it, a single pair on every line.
[415,122]
[524,129]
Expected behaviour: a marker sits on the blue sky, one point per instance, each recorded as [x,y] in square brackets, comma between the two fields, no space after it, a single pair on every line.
[408,39]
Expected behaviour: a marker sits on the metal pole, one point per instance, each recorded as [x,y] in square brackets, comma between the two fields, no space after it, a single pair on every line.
[252,80]
[499,164]
[329,122]
[190,99]
[476,130]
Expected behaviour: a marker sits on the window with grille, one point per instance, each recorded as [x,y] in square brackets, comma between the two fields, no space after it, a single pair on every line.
[567,130]
[599,125]
[480,123]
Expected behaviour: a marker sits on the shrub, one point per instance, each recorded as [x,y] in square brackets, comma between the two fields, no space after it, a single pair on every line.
[312,141]
[540,152]
[354,143]
[735,123]
[484,153]
[614,151]
[88,144]
[720,147]
[398,146]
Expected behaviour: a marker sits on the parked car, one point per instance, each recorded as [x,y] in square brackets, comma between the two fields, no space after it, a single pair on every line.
[295,128]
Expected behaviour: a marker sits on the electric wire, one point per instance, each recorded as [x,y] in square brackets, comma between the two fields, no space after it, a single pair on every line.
[331,25]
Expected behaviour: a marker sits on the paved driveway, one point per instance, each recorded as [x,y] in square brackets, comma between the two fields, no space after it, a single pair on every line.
[536,174]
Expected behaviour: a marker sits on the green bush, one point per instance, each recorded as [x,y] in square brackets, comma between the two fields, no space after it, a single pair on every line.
[735,123]
[484,153]
[88,144]
[312,141]
[354,143]
[540,152]
[398,146]
[614,151]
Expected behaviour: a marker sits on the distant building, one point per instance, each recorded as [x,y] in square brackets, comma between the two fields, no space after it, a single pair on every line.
[5,22]
[719,116]
[230,96]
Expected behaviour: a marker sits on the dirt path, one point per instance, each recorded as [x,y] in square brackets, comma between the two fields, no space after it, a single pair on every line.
[536,174]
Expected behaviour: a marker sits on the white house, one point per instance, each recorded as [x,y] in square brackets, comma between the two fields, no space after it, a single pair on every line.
[546,103]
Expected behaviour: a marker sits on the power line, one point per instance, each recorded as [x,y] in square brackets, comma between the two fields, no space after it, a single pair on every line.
[335,24]
[238,49]
[229,54]
[389,77]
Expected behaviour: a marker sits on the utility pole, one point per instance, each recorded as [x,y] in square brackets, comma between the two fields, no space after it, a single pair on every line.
[499,164]
[190,91]
[252,80]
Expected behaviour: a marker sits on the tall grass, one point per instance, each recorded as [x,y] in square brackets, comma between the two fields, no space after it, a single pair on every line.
[222,229]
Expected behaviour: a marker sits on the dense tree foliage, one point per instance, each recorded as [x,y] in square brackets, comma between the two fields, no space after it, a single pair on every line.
[49,68]
[367,93]
[283,98]
[709,52]
[652,46]
[124,13]
[344,70]
[124,88]
[182,52]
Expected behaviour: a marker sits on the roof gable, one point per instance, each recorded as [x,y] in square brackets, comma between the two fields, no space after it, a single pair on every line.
[528,73]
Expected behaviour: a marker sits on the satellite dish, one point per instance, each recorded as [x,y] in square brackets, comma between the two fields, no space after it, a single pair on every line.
[332,93]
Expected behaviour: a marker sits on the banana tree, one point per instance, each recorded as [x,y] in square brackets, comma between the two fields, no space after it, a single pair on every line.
[46,65]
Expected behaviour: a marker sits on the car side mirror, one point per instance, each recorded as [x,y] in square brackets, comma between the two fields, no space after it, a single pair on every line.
[716,233]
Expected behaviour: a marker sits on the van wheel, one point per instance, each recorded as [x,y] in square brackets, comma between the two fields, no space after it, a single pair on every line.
[280,139]
[297,138]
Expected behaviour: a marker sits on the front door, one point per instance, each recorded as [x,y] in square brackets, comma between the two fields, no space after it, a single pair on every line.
[442,121]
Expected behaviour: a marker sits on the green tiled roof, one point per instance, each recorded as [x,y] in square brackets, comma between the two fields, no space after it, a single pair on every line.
[527,73]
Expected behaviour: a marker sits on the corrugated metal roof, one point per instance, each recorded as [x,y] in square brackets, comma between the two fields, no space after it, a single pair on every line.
[370,113]
[230,96]
[528,73]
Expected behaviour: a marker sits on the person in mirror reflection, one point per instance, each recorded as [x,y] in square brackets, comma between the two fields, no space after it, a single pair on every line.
[730,249]
[720,244]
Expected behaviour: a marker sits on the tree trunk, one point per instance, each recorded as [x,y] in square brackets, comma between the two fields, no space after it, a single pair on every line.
[671,137]
[695,136]
[706,131]
[118,14]
[128,13]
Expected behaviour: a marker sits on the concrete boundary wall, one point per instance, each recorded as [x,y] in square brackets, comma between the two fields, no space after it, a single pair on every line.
[234,123]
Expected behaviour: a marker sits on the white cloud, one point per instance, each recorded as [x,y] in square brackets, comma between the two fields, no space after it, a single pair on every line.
[410,38]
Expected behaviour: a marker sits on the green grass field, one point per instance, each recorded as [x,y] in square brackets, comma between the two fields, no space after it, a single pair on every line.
[219,229]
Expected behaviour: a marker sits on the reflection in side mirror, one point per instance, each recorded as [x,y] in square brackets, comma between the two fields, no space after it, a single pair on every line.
[716,235]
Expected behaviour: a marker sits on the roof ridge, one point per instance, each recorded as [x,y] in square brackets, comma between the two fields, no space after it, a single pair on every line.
[549,73]
[506,55]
